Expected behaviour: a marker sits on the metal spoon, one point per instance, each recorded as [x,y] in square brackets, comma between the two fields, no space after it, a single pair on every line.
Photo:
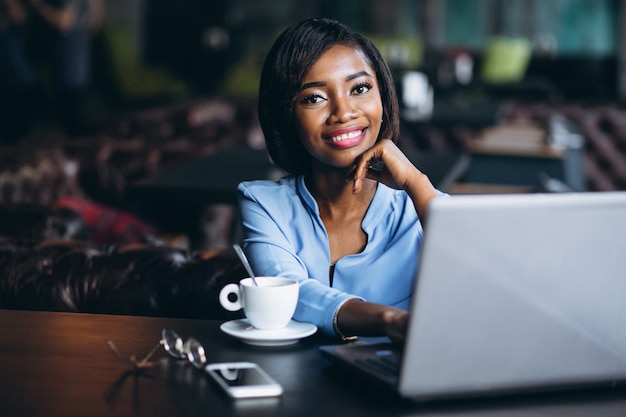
[244,261]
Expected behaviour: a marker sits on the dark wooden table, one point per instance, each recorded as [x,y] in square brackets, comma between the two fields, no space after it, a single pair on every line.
[58,364]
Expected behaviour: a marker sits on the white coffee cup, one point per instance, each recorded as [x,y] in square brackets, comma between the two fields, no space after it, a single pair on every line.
[268,306]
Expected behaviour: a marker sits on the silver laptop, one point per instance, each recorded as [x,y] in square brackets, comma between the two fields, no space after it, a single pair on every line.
[514,293]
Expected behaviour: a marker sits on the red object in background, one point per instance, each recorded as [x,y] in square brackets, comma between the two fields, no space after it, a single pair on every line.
[109,225]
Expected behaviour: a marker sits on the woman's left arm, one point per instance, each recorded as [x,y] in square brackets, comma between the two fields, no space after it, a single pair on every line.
[386,163]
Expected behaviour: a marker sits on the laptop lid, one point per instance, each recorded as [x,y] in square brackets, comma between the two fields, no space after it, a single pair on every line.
[518,293]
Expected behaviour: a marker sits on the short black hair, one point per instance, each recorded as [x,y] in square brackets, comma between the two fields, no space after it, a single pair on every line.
[293,53]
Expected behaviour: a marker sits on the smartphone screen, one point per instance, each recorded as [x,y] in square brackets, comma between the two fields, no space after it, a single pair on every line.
[243,380]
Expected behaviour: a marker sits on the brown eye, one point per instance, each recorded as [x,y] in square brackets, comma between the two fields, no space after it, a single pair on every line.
[312,99]
[362,88]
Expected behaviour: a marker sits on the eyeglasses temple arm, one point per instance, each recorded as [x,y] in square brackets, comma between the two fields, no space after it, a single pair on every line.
[113,348]
[149,355]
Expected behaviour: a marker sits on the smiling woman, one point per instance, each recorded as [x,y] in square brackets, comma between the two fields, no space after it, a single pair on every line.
[339,103]
[282,80]
[347,221]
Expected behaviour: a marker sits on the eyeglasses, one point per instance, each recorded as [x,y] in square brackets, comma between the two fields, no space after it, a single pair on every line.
[191,350]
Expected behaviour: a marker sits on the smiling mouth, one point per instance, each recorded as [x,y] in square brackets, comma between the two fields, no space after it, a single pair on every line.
[346,136]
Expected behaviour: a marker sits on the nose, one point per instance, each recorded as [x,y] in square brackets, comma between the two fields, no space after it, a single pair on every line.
[341,111]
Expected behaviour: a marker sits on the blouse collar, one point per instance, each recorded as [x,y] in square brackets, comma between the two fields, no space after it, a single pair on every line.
[378,209]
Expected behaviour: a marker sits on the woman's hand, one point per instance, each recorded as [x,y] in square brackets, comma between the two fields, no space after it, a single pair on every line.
[385,163]
[397,322]
[361,318]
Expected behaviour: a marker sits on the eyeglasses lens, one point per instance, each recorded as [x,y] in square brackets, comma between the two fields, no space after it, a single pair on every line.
[172,343]
[191,350]
[195,353]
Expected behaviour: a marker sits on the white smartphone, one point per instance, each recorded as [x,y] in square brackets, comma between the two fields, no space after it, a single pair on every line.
[244,380]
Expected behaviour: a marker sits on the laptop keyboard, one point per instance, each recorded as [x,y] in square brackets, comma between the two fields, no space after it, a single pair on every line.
[385,363]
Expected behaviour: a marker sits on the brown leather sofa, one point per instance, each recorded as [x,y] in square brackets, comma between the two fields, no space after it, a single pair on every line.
[48,261]
[149,280]
[70,242]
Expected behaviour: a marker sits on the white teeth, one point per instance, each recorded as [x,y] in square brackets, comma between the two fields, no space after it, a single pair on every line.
[346,136]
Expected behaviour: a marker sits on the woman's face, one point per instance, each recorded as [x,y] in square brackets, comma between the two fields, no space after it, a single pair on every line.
[339,109]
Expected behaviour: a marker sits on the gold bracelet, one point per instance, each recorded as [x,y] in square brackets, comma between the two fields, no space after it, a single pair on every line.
[338,332]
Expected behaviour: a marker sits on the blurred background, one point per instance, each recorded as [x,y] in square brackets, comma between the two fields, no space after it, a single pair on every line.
[574,44]
[218,46]
[146,51]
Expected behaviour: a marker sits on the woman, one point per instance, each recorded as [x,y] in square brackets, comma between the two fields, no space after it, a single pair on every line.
[346,222]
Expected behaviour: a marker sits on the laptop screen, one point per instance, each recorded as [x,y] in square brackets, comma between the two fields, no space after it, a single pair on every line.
[518,292]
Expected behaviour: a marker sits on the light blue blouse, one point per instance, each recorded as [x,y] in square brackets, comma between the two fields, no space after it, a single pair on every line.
[284,236]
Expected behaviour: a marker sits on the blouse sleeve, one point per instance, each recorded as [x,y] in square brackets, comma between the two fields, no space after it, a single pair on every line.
[268,228]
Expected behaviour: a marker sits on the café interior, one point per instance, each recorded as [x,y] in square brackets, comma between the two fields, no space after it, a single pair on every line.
[132,212]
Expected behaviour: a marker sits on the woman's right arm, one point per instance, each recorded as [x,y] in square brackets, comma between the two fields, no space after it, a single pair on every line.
[267,229]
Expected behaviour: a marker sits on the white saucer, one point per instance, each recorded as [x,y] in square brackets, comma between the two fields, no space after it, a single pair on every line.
[242,330]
